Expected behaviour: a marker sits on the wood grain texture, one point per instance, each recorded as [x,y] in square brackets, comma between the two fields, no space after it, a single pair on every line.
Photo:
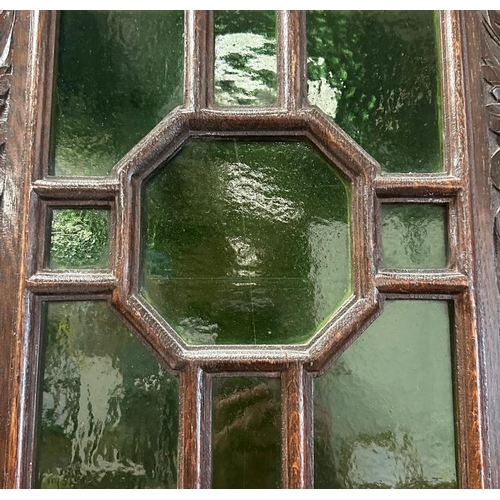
[9,202]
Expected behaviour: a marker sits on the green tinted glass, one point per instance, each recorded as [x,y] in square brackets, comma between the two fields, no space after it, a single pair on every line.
[383,413]
[414,236]
[245,57]
[246,242]
[79,239]
[246,432]
[118,74]
[376,73]
[109,411]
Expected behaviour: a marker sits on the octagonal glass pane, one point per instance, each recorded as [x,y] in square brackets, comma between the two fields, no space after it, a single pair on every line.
[246,241]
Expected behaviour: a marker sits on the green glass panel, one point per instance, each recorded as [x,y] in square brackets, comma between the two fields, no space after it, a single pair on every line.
[376,73]
[414,236]
[118,74]
[109,415]
[383,412]
[246,432]
[79,239]
[245,58]
[246,242]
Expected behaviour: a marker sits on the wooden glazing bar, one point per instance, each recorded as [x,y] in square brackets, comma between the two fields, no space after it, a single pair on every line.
[422,185]
[68,283]
[471,466]
[421,282]
[76,189]
[197,32]
[32,49]
[453,96]
[297,428]
[194,445]
[291,59]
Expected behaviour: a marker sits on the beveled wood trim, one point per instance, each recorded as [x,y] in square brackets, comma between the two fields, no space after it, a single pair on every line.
[417,185]
[78,189]
[296,408]
[292,80]
[194,436]
[472,470]
[71,283]
[417,282]
[198,30]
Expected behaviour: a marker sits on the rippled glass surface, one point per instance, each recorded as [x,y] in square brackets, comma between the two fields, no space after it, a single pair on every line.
[383,412]
[245,58]
[246,432]
[109,415]
[414,236]
[376,73]
[246,242]
[118,74]
[79,239]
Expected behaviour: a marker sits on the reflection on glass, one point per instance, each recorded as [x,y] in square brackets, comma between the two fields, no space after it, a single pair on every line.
[376,73]
[383,412]
[118,74]
[414,236]
[246,242]
[245,57]
[109,414]
[79,239]
[246,432]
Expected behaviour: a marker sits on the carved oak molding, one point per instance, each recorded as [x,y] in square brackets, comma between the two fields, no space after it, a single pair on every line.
[491,75]
[6,28]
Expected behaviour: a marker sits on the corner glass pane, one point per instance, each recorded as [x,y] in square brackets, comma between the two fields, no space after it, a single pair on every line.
[246,242]
[79,239]
[376,73]
[245,58]
[246,432]
[414,236]
[109,416]
[383,412]
[118,74]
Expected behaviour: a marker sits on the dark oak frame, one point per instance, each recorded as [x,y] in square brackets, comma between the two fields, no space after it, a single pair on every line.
[469,282]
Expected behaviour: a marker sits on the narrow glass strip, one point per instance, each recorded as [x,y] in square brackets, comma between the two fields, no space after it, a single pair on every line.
[246,432]
[245,58]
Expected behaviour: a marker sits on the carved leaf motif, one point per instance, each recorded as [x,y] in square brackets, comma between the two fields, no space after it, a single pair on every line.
[491,74]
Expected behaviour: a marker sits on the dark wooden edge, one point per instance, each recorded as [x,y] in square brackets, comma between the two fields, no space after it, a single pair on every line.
[485,201]
[26,146]
[291,59]
[195,431]
[197,33]
[298,446]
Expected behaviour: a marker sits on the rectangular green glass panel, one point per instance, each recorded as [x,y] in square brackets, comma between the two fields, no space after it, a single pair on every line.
[246,241]
[414,236]
[383,412]
[79,239]
[109,416]
[377,74]
[118,74]
[245,58]
[246,432]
